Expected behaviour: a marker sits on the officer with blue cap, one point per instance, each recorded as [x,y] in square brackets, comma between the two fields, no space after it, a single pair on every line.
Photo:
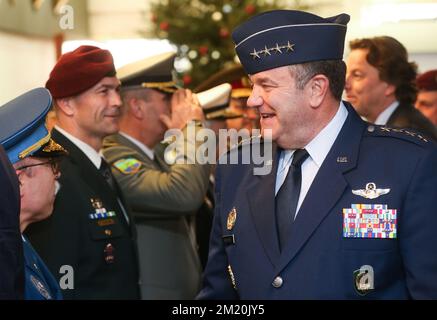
[347,209]
[35,157]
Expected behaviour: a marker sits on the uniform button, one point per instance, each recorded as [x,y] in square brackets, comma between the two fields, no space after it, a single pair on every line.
[277,283]
[371,128]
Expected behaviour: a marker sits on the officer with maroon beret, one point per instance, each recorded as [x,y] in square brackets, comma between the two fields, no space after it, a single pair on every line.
[89,241]
[427,97]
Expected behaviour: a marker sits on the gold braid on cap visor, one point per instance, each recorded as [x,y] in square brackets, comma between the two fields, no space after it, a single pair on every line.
[241,93]
[34,147]
[169,86]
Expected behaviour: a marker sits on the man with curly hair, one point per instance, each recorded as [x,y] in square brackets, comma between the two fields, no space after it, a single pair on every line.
[380,84]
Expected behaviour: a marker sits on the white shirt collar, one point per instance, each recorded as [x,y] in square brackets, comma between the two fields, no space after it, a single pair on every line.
[149,152]
[94,156]
[383,117]
[319,147]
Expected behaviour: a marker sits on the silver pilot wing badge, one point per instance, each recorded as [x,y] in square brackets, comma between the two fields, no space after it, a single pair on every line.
[371,192]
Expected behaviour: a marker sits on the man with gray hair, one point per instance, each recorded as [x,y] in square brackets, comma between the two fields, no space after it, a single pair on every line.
[163,197]
[348,209]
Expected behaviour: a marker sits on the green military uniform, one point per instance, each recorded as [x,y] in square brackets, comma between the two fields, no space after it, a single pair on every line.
[163,199]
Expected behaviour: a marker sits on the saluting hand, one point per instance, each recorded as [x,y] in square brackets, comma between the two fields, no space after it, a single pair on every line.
[185,107]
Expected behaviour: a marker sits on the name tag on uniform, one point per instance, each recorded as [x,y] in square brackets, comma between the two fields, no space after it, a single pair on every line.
[369,221]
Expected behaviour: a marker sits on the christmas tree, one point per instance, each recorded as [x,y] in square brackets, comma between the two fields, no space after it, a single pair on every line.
[202,29]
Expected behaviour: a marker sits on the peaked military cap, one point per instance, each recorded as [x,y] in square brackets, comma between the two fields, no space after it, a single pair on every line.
[154,72]
[215,103]
[23,131]
[285,37]
[235,75]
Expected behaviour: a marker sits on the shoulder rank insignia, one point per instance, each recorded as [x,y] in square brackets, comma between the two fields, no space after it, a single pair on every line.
[128,165]
[232,217]
[405,132]
[371,192]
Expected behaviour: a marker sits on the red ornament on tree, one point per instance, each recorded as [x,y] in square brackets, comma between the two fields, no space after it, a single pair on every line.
[187,79]
[250,9]
[203,50]
[164,25]
[224,32]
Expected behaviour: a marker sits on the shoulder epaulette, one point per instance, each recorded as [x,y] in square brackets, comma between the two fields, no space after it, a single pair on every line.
[404,134]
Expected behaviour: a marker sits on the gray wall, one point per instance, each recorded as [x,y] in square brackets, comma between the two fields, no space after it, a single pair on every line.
[21,18]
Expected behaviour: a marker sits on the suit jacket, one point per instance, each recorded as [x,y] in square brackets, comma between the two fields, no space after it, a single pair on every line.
[40,283]
[11,247]
[321,259]
[163,200]
[406,116]
[88,232]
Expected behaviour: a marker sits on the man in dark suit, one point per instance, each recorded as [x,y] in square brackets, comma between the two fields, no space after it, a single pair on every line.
[347,210]
[11,247]
[91,232]
[380,84]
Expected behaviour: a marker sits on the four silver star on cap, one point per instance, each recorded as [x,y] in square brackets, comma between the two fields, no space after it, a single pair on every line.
[256,54]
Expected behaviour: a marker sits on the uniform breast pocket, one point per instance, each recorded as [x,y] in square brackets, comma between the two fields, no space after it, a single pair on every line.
[103,229]
[369,244]
[369,227]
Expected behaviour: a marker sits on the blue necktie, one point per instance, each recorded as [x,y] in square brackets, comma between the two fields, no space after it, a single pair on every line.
[288,196]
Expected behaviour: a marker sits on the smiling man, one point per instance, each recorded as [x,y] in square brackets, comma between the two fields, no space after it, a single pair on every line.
[90,230]
[348,209]
[380,84]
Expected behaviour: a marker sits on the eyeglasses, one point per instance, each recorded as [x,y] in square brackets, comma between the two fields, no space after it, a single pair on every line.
[54,164]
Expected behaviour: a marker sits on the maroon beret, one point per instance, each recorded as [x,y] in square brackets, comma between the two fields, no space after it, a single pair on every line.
[427,81]
[79,70]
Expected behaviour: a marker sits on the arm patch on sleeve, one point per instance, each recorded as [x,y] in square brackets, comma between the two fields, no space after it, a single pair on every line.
[128,165]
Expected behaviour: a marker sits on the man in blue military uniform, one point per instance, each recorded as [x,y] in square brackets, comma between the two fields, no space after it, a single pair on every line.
[11,249]
[34,156]
[348,209]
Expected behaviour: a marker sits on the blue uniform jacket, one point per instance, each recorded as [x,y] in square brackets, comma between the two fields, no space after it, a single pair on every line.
[40,284]
[11,248]
[319,262]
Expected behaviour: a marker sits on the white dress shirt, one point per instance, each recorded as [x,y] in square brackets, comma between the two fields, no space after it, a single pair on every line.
[386,114]
[94,156]
[317,149]
[149,152]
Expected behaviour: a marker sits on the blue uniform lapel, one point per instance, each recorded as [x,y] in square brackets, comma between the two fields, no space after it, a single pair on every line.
[261,197]
[327,187]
